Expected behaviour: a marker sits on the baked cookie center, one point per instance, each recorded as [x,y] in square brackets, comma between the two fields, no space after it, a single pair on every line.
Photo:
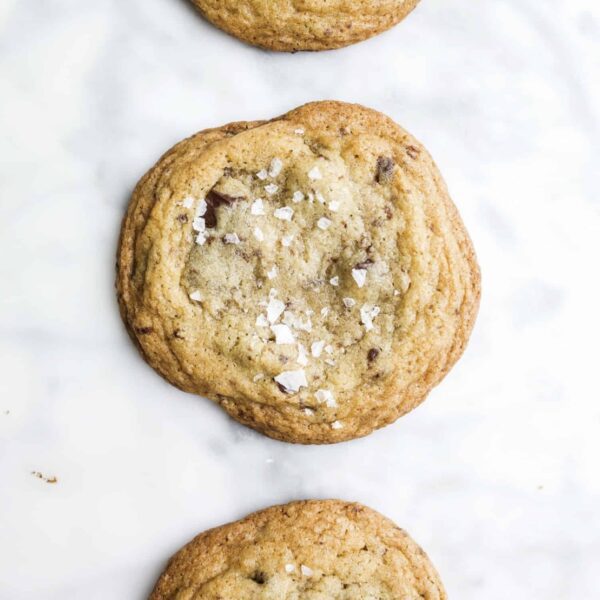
[293,274]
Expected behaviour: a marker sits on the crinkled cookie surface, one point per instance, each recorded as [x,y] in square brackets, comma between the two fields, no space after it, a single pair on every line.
[311,550]
[310,273]
[290,25]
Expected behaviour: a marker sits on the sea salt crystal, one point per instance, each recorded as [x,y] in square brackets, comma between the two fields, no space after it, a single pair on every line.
[316,348]
[367,314]
[274,309]
[257,207]
[283,334]
[315,174]
[284,213]
[306,571]
[360,276]
[326,396]
[292,381]
[275,168]
[231,238]
[324,223]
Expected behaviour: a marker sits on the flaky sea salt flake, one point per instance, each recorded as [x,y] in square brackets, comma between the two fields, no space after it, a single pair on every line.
[257,207]
[275,168]
[231,238]
[360,276]
[274,309]
[316,348]
[292,381]
[283,334]
[324,223]
[367,314]
[315,174]
[285,213]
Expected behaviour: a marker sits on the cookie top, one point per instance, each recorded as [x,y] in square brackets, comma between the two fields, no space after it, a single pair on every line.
[309,273]
[314,549]
[304,24]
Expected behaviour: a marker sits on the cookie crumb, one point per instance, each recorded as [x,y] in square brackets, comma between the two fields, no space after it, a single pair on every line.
[43,477]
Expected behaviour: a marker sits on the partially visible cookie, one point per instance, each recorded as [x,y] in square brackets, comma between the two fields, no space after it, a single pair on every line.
[311,550]
[291,25]
[310,274]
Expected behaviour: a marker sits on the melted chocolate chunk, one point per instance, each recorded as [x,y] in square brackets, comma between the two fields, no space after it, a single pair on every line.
[372,354]
[259,577]
[215,199]
[364,264]
[385,169]
[144,330]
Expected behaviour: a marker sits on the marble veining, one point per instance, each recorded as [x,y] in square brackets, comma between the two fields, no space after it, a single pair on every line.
[496,475]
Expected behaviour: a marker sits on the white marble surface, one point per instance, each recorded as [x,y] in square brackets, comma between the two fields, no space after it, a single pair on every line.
[496,475]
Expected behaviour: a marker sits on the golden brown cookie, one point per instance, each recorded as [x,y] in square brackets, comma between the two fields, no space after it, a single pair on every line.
[310,273]
[311,550]
[290,25]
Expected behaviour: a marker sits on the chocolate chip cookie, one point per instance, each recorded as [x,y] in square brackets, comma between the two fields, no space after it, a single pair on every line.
[313,549]
[309,273]
[304,24]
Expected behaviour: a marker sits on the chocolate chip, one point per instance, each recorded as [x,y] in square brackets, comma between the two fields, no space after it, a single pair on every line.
[282,388]
[385,169]
[364,264]
[215,199]
[143,330]
[259,577]
[373,354]
[413,151]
